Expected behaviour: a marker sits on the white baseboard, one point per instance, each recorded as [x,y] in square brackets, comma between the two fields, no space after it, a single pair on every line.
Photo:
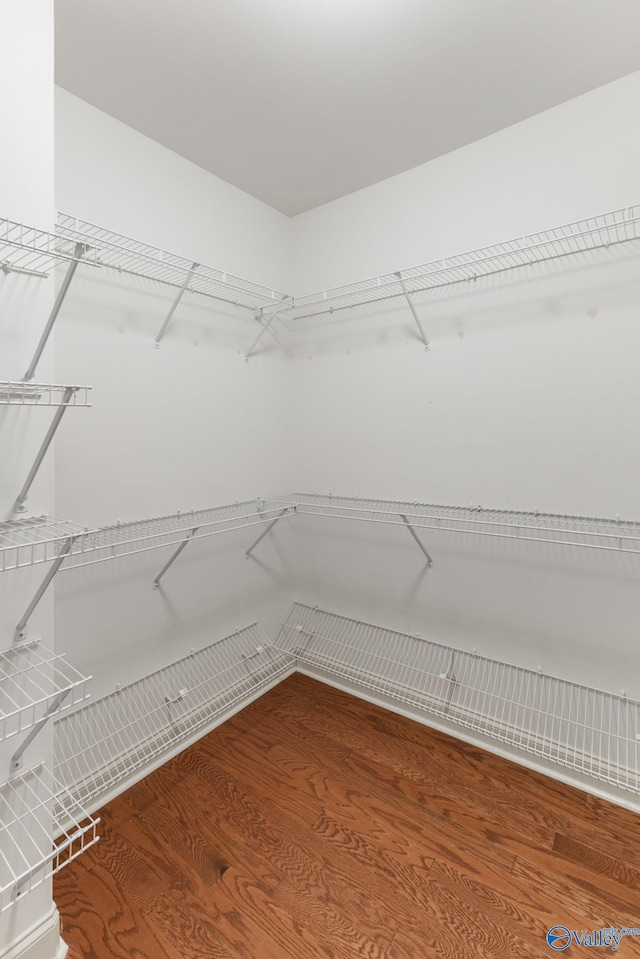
[41,941]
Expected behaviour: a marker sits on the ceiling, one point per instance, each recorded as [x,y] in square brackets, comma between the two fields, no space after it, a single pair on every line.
[298,102]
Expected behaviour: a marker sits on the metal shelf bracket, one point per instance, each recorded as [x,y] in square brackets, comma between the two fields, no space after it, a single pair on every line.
[413,310]
[265,326]
[265,531]
[79,253]
[21,501]
[417,539]
[174,305]
[16,759]
[174,556]
[20,633]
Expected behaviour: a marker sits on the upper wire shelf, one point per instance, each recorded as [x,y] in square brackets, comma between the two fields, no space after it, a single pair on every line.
[565,530]
[28,250]
[23,393]
[593,233]
[33,807]
[25,542]
[138,536]
[126,255]
[33,681]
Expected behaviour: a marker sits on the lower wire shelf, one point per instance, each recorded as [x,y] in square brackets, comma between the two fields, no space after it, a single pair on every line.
[33,683]
[105,742]
[591,731]
[33,807]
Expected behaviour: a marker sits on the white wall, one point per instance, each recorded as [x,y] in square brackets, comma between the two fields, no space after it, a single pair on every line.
[575,160]
[26,195]
[527,399]
[189,425]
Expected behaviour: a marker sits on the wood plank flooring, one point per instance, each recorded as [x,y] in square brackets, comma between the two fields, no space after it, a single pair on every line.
[314,825]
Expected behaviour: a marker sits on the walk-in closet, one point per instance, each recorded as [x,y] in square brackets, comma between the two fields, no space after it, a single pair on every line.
[320,526]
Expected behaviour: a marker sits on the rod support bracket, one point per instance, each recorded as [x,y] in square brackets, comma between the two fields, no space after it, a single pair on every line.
[265,531]
[418,540]
[407,296]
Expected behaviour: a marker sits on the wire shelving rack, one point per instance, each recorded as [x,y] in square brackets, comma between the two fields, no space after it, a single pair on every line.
[581,236]
[103,743]
[34,252]
[21,393]
[139,536]
[25,542]
[127,255]
[29,803]
[26,249]
[591,731]
[30,540]
[33,683]
[556,529]
[29,250]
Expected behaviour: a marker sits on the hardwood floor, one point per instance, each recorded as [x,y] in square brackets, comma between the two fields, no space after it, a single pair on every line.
[316,825]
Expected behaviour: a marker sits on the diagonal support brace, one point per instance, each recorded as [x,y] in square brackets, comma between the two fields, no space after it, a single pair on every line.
[20,633]
[265,326]
[417,539]
[265,531]
[16,759]
[79,252]
[20,504]
[413,310]
[174,305]
[174,556]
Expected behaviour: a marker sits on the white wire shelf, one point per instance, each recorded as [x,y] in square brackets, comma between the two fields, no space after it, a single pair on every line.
[36,539]
[126,255]
[26,249]
[591,731]
[29,250]
[22,393]
[126,539]
[564,530]
[105,742]
[32,681]
[581,236]
[28,856]
[25,542]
